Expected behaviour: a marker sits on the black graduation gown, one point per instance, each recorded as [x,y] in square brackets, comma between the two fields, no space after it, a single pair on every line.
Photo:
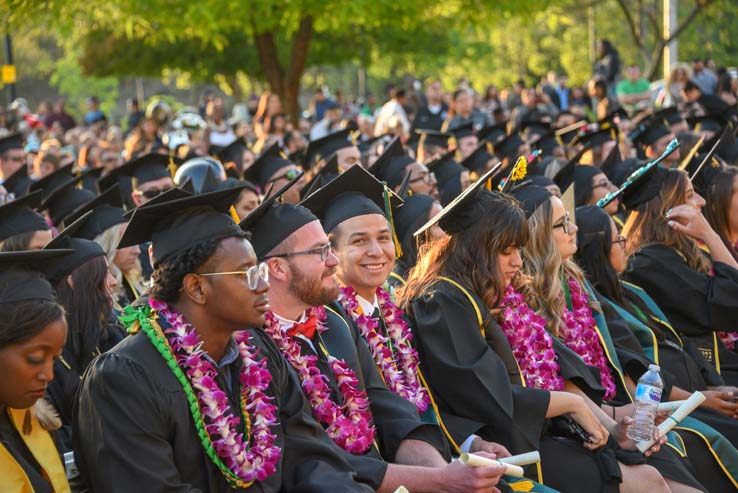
[139,432]
[696,304]
[475,382]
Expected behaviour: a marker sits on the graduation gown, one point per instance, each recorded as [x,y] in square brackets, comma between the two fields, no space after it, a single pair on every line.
[696,304]
[139,432]
[477,388]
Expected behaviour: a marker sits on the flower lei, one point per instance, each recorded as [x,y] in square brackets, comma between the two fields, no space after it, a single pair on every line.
[181,348]
[401,375]
[729,339]
[350,424]
[579,333]
[531,344]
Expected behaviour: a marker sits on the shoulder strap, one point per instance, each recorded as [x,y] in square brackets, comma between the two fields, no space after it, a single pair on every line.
[471,299]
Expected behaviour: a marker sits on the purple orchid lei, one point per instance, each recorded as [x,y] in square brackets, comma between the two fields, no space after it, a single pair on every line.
[249,463]
[349,425]
[401,375]
[579,333]
[531,344]
[729,339]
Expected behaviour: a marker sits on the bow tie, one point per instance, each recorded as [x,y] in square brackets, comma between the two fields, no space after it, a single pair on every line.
[306,328]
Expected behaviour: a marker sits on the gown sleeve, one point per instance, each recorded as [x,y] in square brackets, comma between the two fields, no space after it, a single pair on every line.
[469,380]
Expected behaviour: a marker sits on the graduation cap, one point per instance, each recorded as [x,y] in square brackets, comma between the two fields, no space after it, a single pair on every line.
[19,182]
[611,162]
[540,180]
[533,128]
[619,112]
[466,209]
[686,160]
[175,193]
[90,177]
[670,115]
[599,136]
[710,123]
[328,172]
[354,193]
[517,175]
[649,131]
[149,167]
[266,165]
[19,216]
[64,200]
[274,221]
[492,133]
[530,197]
[565,176]
[546,143]
[432,138]
[508,147]
[410,216]
[390,165]
[644,184]
[21,278]
[448,174]
[324,147]
[179,224]
[53,180]
[568,133]
[462,131]
[708,168]
[233,153]
[365,145]
[479,157]
[12,141]
[107,211]
[82,251]
[618,174]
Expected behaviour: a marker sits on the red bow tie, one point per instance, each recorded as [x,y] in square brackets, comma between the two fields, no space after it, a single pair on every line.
[306,328]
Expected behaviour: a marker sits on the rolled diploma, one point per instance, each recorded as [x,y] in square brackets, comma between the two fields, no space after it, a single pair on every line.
[679,414]
[479,461]
[670,407]
[401,489]
[522,459]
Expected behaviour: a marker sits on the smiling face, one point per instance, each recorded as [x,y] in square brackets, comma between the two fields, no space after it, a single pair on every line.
[28,367]
[564,231]
[366,252]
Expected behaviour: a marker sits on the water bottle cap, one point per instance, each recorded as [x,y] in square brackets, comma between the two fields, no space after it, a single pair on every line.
[654,368]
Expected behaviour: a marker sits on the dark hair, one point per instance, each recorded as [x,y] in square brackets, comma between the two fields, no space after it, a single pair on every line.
[457,93]
[690,85]
[25,320]
[88,304]
[717,212]
[594,240]
[601,84]
[166,280]
[18,242]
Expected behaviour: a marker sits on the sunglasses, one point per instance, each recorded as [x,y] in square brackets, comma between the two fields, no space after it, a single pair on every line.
[253,274]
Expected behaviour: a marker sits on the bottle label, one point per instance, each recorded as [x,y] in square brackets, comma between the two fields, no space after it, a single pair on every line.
[648,393]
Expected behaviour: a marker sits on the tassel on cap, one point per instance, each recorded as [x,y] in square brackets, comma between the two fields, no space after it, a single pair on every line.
[388,212]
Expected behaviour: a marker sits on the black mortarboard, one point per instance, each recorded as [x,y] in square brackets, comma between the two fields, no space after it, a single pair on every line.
[670,115]
[702,123]
[365,145]
[18,183]
[390,166]
[530,197]
[598,137]
[327,173]
[703,171]
[177,225]
[90,177]
[273,222]
[21,278]
[266,165]
[19,216]
[462,131]
[479,158]
[530,129]
[324,147]
[611,162]
[508,147]
[354,193]
[171,194]
[432,138]
[82,251]
[53,180]
[12,141]
[410,216]
[541,180]
[492,133]
[546,143]
[565,176]
[622,171]
[466,209]
[619,112]
[149,167]
[233,153]
[592,223]
[448,174]
[583,175]
[107,211]
[649,131]
[568,133]
[64,200]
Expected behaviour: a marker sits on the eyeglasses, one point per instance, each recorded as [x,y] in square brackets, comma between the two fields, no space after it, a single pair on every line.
[603,184]
[150,194]
[426,177]
[253,274]
[565,224]
[322,252]
[621,240]
[289,175]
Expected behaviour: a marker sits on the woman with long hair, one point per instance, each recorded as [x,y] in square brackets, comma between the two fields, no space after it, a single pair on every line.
[32,333]
[721,210]
[697,291]
[601,254]
[125,265]
[269,105]
[559,293]
[454,296]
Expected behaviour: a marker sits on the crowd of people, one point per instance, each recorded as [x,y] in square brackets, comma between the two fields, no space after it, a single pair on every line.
[351,301]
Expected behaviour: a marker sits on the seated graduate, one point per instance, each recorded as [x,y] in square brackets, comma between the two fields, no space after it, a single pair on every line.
[21,227]
[192,401]
[601,254]
[559,293]
[394,164]
[698,291]
[32,334]
[370,423]
[453,306]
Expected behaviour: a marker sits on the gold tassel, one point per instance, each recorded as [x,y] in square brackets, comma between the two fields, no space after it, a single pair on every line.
[172,167]
[27,424]
[526,485]
[388,211]
[234,214]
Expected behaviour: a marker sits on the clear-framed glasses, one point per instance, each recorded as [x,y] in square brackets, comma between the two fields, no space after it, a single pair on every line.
[621,240]
[253,274]
[426,176]
[565,223]
[322,252]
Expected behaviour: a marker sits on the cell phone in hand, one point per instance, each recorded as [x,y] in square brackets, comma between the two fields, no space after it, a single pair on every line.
[580,432]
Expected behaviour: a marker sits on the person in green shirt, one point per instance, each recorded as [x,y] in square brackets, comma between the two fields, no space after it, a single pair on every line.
[634,91]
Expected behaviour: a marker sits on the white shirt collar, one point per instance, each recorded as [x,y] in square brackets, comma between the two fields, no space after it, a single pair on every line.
[367,306]
[285,323]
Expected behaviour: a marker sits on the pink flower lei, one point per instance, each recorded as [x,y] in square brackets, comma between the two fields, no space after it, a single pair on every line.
[579,333]
[350,424]
[531,344]
[249,463]
[401,375]
[729,339]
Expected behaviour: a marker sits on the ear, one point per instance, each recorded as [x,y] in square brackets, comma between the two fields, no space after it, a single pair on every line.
[278,269]
[136,199]
[70,281]
[195,288]
[151,254]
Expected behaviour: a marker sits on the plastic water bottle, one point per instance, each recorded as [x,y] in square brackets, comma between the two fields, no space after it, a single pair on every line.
[647,399]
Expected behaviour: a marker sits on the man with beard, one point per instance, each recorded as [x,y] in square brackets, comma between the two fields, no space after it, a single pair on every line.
[369,422]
